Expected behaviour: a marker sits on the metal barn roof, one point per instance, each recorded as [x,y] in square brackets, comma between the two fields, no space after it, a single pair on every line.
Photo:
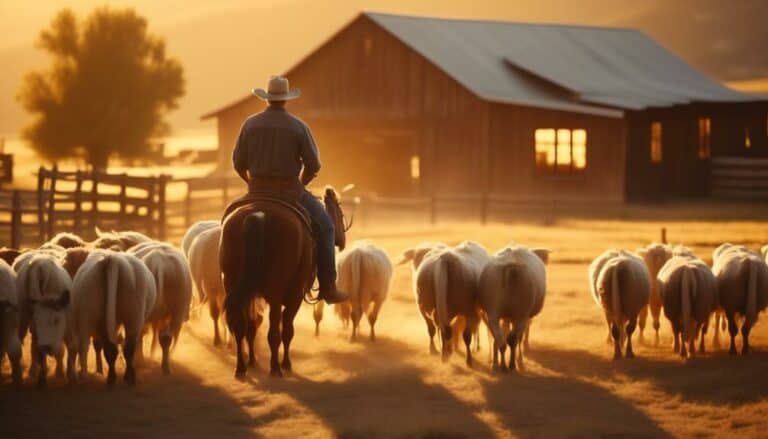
[580,69]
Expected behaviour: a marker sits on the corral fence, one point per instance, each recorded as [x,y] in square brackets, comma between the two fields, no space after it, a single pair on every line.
[79,201]
[739,178]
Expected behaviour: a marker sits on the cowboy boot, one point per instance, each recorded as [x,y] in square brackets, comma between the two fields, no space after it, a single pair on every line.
[331,295]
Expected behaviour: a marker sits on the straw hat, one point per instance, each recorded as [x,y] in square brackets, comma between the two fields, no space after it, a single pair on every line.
[278,89]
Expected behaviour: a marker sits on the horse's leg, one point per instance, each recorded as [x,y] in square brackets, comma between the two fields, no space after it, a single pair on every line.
[372,316]
[289,313]
[236,321]
[317,313]
[676,330]
[275,317]
[215,312]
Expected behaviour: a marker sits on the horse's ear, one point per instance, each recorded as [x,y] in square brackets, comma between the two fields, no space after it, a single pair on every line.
[406,257]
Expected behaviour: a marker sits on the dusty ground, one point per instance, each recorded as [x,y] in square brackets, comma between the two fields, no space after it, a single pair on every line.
[394,388]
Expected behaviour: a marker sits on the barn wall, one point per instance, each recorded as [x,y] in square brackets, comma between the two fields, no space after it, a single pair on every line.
[512,157]
[372,104]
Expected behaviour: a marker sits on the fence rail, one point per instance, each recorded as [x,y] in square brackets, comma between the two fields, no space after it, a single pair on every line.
[739,178]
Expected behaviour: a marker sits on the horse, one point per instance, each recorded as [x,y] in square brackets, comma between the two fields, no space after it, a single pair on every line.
[267,251]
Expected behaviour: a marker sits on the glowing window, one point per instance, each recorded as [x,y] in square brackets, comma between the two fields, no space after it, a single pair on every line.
[560,150]
[656,146]
[415,167]
[705,136]
[747,139]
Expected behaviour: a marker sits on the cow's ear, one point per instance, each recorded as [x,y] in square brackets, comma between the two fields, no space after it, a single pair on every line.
[63,300]
[543,254]
[642,251]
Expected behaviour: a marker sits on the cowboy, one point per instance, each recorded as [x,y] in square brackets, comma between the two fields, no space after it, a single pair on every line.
[276,150]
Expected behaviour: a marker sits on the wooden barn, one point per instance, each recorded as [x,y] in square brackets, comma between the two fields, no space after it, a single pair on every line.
[403,105]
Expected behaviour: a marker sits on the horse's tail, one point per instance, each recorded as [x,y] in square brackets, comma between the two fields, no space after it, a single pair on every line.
[251,265]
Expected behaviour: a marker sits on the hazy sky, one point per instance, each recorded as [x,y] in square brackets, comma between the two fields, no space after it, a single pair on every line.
[226,46]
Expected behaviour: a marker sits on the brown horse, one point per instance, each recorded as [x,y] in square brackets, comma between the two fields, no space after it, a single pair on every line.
[267,251]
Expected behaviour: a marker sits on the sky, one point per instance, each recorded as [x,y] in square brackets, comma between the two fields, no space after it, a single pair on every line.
[228,46]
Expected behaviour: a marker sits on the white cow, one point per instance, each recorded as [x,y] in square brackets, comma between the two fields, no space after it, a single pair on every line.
[364,272]
[688,291]
[512,287]
[194,231]
[623,288]
[9,321]
[174,293]
[43,287]
[655,256]
[742,283]
[110,290]
[206,274]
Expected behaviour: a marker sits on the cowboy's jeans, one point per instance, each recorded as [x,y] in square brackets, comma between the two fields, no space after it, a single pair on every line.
[323,231]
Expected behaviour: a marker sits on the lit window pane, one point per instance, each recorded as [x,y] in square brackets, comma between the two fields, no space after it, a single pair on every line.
[579,137]
[415,167]
[545,148]
[545,136]
[579,155]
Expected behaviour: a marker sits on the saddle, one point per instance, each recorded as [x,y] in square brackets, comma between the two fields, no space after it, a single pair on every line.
[276,191]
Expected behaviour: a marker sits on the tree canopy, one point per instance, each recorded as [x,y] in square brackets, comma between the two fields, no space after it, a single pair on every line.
[106,92]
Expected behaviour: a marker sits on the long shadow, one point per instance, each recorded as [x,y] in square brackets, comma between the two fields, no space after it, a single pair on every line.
[377,401]
[179,405]
[540,406]
[713,378]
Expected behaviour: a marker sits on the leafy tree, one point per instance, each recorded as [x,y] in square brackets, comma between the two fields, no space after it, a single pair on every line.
[106,92]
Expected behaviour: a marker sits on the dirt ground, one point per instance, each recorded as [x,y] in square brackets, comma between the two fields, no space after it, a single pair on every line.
[394,388]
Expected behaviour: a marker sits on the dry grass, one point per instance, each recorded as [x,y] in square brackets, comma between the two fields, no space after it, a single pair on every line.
[393,387]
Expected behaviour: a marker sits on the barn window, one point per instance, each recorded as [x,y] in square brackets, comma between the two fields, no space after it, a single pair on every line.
[747,139]
[705,136]
[415,167]
[560,150]
[656,147]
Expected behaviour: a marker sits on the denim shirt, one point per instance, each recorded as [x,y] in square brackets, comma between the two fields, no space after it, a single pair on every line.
[275,143]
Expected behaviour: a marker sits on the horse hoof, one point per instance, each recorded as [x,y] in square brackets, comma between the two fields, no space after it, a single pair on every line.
[630,354]
[287,367]
[745,351]
[276,373]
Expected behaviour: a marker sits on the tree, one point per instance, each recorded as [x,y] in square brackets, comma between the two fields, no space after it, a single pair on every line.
[107,91]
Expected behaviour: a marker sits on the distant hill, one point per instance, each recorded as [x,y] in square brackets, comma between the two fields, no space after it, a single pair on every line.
[228,50]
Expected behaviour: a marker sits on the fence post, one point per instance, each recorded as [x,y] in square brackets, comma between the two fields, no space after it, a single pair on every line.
[663,235]
[41,202]
[123,194]
[188,206]
[433,209]
[78,202]
[52,203]
[94,214]
[16,220]
[161,218]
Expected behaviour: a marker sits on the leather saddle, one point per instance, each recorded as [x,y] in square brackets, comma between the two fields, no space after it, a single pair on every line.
[288,201]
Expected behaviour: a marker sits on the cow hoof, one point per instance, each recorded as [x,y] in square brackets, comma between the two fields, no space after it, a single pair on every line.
[745,350]
[630,354]
[166,369]
[287,367]
[276,373]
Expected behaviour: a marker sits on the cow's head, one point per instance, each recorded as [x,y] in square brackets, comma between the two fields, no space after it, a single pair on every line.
[49,322]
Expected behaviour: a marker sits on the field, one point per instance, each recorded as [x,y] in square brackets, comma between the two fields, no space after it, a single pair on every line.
[393,387]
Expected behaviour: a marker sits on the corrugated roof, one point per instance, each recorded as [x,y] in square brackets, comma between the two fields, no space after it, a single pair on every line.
[615,67]
[562,67]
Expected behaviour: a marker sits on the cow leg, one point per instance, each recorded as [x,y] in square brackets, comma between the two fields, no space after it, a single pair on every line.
[616,334]
[355,315]
[42,374]
[499,343]
[72,350]
[129,349]
[431,330]
[165,344]
[82,354]
[98,346]
[317,313]
[745,328]
[34,360]
[447,334]
[630,329]
[250,339]
[733,329]
[643,317]
[289,313]
[373,315]
[60,363]
[273,337]
[215,312]
[526,345]
[110,354]
[512,340]
[704,329]
[676,336]
[14,356]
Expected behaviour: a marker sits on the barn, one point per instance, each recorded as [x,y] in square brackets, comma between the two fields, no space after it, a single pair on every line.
[407,106]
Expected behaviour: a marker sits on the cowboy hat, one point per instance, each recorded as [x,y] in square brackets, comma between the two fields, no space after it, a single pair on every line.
[278,89]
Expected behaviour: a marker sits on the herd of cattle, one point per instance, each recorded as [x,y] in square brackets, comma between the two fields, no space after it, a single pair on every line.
[124,285]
